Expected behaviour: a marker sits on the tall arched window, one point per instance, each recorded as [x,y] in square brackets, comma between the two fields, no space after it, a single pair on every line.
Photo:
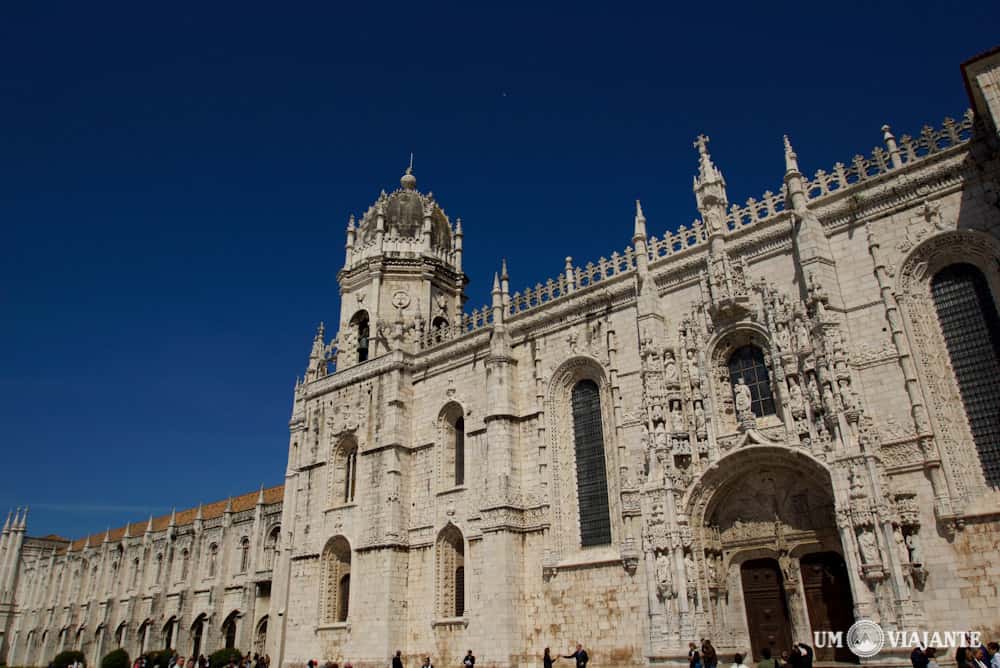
[452,434]
[120,634]
[439,325]
[450,555]
[361,332]
[971,328]
[169,630]
[244,554]
[747,363]
[591,471]
[185,563]
[271,547]
[336,580]
[344,471]
[135,573]
[197,634]
[159,568]
[229,630]
[213,558]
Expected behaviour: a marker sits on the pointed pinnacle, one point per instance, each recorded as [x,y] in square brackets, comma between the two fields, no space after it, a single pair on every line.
[260,495]
[6,525]
[791,160]
[149,524]
[350,222]
[638,210]
[496,282]
[503,269]
[229,505]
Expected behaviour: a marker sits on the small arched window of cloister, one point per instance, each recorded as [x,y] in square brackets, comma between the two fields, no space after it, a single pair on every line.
[344,473]
[451,430]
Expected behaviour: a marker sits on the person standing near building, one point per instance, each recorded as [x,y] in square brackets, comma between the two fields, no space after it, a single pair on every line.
[580,655]
[397,661]
[547,659]
[469,661]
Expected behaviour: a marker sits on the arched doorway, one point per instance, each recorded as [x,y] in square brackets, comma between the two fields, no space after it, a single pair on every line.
[761,508]
[229,630]
[828,600]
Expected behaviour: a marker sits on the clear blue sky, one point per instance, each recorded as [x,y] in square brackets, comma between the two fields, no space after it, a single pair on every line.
[175,183]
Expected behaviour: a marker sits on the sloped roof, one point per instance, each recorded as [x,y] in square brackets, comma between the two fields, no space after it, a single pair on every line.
[208,511]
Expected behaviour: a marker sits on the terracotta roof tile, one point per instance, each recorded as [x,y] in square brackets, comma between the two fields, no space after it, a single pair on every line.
[208,511]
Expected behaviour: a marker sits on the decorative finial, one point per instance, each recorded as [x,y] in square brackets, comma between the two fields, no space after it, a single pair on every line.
[229,505]
[458,227]
[409,181]
[638,210]
[887,133]
[320,331]
[6,525]
[639,231]
[199,516]
[173,517]
[149,524]
[260,495]
[350,222]
[503,269]
[791,160]
[701,143]
[496,283]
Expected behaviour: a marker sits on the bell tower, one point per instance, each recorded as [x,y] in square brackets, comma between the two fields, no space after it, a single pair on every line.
[402,272]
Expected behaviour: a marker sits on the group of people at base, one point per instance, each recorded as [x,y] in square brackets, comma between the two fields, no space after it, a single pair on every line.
[984,656]
[201,661]
[799,656]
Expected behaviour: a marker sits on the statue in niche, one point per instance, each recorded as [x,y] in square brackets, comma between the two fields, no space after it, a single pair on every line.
[699,417]
[657,413]
[786,566]
[743,398]
[677,420]
[661,437]
[847,397]
[713,571]
[795,400]
[868,547]
[913,546]
[783,338]
[901,549]
[669,367]
[829,403]
[693,369]
[857,485]
[664,576]
[801,335]
[691,575]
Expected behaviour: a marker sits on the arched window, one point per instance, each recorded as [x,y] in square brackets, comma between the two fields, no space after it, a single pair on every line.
[135,573]
[271,547]
[361,332]
[439,325]
[591,471]
[185,562]
[93,579]
[336,580]
[747,363]
[213,557]
[450,554]
[971,329]
[229,630]
[169,629]
[143,636]
[453,437]
[197,634]
[260,638]
[344,471]
[120,634]
[159,568]
[244,554]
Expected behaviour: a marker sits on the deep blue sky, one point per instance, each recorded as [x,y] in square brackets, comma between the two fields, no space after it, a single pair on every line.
[175,182]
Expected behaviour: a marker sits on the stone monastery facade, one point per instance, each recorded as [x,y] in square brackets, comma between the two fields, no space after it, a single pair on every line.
[778,419]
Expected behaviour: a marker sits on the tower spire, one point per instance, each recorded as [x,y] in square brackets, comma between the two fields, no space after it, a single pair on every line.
[791,160]
[639,232]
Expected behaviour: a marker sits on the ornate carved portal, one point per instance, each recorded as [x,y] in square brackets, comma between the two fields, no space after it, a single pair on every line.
[764,520]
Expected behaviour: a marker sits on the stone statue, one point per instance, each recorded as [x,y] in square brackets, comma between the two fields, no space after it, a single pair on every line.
[713,571]
[669,367]
[664,576]
[795,401]
[901,549]
[661,437]
[677,420]
[691,575]
[802,336]
[783,338]
[699,417]
[743,397]
[913,547]
[857,485]
[694,371]
[868,547]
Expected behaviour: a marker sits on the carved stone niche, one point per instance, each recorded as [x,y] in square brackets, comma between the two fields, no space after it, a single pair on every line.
[725,400]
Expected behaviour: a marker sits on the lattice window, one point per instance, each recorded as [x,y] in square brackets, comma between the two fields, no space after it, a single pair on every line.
[591,473]
[336,581]
[450,555]
[971,328]
[748,363]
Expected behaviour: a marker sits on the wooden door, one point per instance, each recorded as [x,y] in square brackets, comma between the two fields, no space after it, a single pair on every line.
[829,600]
[767,610]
